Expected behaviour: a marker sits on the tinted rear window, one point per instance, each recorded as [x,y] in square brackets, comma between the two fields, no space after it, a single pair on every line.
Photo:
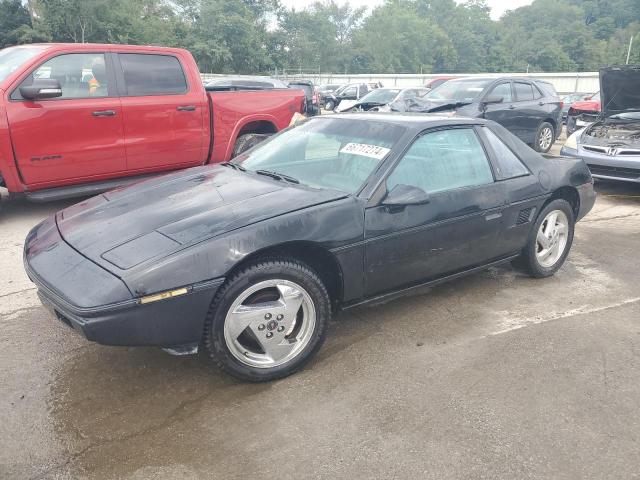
[524,91]
[152,74]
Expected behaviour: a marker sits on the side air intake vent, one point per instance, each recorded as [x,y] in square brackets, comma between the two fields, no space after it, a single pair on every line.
[524,216]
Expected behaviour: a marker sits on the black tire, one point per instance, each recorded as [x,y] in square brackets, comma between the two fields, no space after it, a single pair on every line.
[529,259]
[247,141]
[329,105]
[545,131]
[270,269]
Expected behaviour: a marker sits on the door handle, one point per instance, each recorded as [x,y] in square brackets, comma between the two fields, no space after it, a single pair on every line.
[540,104]
[511,107]
[104,113]
[186,108]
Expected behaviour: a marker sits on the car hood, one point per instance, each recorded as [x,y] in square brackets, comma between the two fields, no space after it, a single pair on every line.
[154,218]
[620,89]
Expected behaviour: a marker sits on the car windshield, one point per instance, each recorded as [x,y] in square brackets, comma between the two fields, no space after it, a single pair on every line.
[12,58]
[380,95]
[458,90]
[330,153]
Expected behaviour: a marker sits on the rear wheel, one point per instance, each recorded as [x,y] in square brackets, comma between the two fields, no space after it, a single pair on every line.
[544,137]
[550,240]
[247,141]
[268,320]
[329,105]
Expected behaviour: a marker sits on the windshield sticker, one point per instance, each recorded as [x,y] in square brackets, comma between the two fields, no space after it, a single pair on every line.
[371,151]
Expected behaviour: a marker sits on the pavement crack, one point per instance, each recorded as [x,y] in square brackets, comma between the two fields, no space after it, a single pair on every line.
[18,310]
[176,414]
[17,292]
[604,219]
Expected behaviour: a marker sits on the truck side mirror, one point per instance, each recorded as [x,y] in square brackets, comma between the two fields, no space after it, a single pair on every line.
[42,88]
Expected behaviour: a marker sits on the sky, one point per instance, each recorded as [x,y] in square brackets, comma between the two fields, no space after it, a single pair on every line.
[498,7]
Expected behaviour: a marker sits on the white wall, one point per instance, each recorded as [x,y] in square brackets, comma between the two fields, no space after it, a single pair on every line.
[564,83]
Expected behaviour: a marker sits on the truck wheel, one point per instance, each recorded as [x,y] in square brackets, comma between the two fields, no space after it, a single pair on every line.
[247,141]
[267,320]
[544,138]
[329,105]
[549,241]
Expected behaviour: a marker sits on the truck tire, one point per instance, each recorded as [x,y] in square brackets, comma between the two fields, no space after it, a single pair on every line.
[268,320]
[247,141]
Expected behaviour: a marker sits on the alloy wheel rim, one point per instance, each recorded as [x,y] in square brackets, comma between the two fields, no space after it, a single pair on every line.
[269,323]
[546,137]
[552,238]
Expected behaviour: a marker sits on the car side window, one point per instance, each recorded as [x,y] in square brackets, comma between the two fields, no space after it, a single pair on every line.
[350,92]
[443,160]
[81,75]
[502,90]
[148,74]
[507,164]
[537,92]
[524,91]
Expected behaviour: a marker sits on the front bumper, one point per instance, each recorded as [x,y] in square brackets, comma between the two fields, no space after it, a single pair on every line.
[99,306]
[602,166]
[167,323]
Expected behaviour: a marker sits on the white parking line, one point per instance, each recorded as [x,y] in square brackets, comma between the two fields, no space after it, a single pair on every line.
[515,323]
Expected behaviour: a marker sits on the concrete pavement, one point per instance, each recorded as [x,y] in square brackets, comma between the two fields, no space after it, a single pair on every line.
[496,375]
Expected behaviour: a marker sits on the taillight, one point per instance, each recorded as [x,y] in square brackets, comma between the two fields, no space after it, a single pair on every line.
[314,98]
[561,104]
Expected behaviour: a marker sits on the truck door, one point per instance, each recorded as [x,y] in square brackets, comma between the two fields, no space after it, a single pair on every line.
[75,137]
[163,114]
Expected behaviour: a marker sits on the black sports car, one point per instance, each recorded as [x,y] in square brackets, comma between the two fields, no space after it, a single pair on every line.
[250,258]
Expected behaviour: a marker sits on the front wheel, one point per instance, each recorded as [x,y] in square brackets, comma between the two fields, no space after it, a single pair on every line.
[267,320]
[329,105]
[550,240]
[544,137]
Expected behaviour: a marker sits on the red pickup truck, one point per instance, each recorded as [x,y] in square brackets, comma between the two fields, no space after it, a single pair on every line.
[79,119]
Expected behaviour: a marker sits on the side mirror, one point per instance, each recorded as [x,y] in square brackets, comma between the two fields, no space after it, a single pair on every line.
[405,195]
[492,99]
[42,88]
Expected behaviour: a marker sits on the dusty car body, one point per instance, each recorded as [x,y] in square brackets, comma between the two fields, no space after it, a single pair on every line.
[611,145]
[339,211]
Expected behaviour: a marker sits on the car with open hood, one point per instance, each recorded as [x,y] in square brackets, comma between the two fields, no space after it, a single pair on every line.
[529,108]
[611,145]
[250,258]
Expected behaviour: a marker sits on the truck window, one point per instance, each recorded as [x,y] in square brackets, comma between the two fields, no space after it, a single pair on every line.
[81,75]
[146,74]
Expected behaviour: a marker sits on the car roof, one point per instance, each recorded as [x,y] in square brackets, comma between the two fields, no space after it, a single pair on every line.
[417,121]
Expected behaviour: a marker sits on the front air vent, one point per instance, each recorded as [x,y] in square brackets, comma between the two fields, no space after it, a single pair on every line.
[524,216]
